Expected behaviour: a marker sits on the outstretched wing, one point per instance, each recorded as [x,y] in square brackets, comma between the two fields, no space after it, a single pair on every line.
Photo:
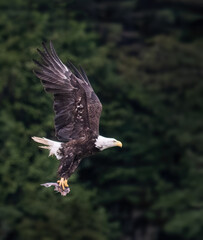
[77,107]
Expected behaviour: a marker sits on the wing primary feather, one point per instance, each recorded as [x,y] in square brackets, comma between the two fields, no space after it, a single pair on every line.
[51,59]
[84,75]
[45,58]
[54,53]
[42,66]
[48,53]
[48,76]
[38,63]
[77,73]
[58,66]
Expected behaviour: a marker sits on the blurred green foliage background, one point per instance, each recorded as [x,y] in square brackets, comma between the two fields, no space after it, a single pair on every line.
[144,59]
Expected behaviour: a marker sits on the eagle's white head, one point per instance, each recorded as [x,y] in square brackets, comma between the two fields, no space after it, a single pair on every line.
[103,142]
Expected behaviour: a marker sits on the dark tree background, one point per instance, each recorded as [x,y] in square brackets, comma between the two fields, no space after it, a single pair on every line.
[144,59]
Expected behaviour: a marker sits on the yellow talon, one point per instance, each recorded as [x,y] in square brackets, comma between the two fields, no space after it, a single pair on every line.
[63,183]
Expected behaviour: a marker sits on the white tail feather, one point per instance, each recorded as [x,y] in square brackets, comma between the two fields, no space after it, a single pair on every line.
[52,146]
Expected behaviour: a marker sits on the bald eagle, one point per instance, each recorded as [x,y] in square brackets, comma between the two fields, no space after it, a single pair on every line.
[77,113]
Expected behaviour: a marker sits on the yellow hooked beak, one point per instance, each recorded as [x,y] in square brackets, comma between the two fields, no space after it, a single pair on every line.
[119,144]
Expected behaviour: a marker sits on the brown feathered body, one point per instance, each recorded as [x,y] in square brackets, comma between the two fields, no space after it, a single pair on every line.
[73,151]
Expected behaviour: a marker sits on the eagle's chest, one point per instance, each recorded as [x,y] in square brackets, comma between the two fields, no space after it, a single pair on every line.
[80,148]
[85,149]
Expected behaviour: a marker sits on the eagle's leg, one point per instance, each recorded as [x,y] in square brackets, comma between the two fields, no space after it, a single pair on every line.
[63,182]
